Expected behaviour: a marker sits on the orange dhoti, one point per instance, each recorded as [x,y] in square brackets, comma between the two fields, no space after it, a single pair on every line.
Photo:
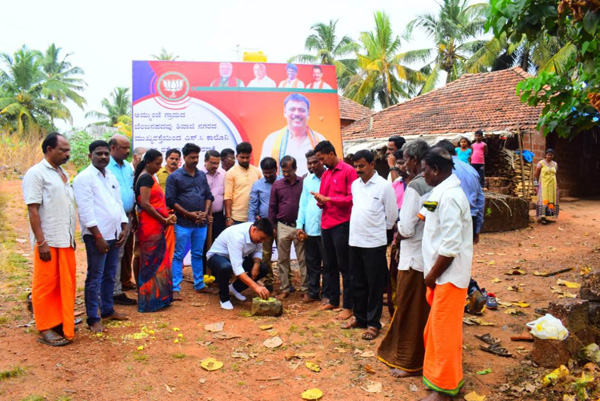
[442,368]
[53,291]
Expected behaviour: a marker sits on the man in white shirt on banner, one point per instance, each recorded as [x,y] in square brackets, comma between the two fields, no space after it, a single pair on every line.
[103,228]
[238,250]
[318,82]
[261,80]
[296,138]
[374,211]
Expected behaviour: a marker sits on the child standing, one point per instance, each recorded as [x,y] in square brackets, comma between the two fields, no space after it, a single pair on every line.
[480,152]
[464,152]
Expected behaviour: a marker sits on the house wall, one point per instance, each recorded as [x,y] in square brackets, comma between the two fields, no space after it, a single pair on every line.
[578,162]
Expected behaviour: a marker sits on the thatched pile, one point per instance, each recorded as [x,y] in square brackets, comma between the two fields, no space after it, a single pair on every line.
[504,213]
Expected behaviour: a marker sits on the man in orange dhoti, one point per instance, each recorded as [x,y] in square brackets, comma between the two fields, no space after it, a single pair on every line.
[447,256]
[51,206]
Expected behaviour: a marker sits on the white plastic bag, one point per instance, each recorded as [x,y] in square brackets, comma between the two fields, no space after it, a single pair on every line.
[548,328]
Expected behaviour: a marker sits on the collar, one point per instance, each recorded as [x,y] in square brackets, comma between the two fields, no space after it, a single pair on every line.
[371,180]
[247,238]
[450,182]
[185,172]
[94,170]
[48,165]
[113,162]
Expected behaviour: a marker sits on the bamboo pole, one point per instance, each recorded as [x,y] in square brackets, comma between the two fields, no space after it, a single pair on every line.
[519,139]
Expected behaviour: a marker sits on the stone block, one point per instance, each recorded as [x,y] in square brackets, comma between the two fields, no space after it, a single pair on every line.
[590,287]
[553,353]
[594,315]
[573,313]
[266,307]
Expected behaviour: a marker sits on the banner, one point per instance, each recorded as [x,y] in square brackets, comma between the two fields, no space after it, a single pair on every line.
[218,105]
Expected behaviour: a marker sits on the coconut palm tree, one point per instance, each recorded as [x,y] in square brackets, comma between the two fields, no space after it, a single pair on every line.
[454,30]
[119,105]
[382,77]
[329,51]
[22,87]
[165,56]
[63,81]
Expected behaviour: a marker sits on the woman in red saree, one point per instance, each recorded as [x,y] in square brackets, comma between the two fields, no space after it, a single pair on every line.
[156,236]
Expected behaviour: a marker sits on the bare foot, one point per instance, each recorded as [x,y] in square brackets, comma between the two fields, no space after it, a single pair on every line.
[117,316]
[327,307]
[399,374]
[352,324]
[435,396]
[176,296]
[97,328]
[345,314]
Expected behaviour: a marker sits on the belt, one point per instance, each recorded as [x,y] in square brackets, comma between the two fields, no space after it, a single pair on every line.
[293,225]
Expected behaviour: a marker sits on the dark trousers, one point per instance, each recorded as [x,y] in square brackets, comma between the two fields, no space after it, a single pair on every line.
[481,170]
[335,245]
[127,261]
[100,279]
[369,271]
[315,268]
[221,268]
[218,226]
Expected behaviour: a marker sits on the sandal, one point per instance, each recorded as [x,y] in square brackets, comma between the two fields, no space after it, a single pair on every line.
[352,324]
[371,333]
[496,350]
[488,339]
[51,338]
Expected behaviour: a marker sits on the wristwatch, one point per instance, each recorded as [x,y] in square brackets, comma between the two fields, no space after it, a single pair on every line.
[228,218]
[394,169]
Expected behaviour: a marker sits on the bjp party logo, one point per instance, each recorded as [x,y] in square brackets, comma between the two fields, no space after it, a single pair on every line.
[173,86]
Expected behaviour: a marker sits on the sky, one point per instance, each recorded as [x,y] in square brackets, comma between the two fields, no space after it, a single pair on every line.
[104,37]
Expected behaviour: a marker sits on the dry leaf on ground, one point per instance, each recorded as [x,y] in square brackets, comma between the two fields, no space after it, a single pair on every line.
[273,342]
[568,284]
[312,394]
[312,366]
[521,304]
[265,327]
[473,396]
[211,364]
[215,327]
[372,387]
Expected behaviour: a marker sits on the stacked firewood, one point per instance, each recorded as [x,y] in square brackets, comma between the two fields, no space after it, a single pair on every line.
[500,171]
[523,177]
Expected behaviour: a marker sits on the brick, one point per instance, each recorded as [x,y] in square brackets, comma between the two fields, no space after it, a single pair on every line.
[573,313]
[590,287]
[553,353]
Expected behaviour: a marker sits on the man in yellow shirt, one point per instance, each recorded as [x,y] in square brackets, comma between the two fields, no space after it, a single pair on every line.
[238,184]
[171,164]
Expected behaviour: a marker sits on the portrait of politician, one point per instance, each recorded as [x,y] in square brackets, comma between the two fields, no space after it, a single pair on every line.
[261,80]
[318,82]
[292,80]
[226,77]
[296,138]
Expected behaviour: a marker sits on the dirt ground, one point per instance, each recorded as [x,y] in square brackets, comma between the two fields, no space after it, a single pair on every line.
[157,356]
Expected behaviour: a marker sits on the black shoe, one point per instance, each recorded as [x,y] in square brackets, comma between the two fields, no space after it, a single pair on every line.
[292,289]
[122,299]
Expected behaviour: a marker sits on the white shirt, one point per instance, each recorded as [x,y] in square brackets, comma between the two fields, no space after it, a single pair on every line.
[449,232]
[44,186]
[292,149]
[318,85]
[411,226]
[266,82]
[235,244]
[99,202]
[374,211]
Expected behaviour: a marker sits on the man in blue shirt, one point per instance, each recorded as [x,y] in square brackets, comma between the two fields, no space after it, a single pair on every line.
[119,150]
[258,208]
[188,193]
[309,228]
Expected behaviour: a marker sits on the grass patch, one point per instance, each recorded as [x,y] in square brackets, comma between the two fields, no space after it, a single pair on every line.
[17,371]
[139,357]
[179,355]
[34,398]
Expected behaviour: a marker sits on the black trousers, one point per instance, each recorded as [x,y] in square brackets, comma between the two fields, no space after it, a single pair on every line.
[369,270]
[217,228]
[335,245]
[315,268]
[220,266]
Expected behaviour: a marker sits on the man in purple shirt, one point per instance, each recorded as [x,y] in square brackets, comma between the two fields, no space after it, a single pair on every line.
[283,212]
[215,176]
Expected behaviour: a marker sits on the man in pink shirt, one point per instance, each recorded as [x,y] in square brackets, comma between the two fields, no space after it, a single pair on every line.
[335,198]
[215,176]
